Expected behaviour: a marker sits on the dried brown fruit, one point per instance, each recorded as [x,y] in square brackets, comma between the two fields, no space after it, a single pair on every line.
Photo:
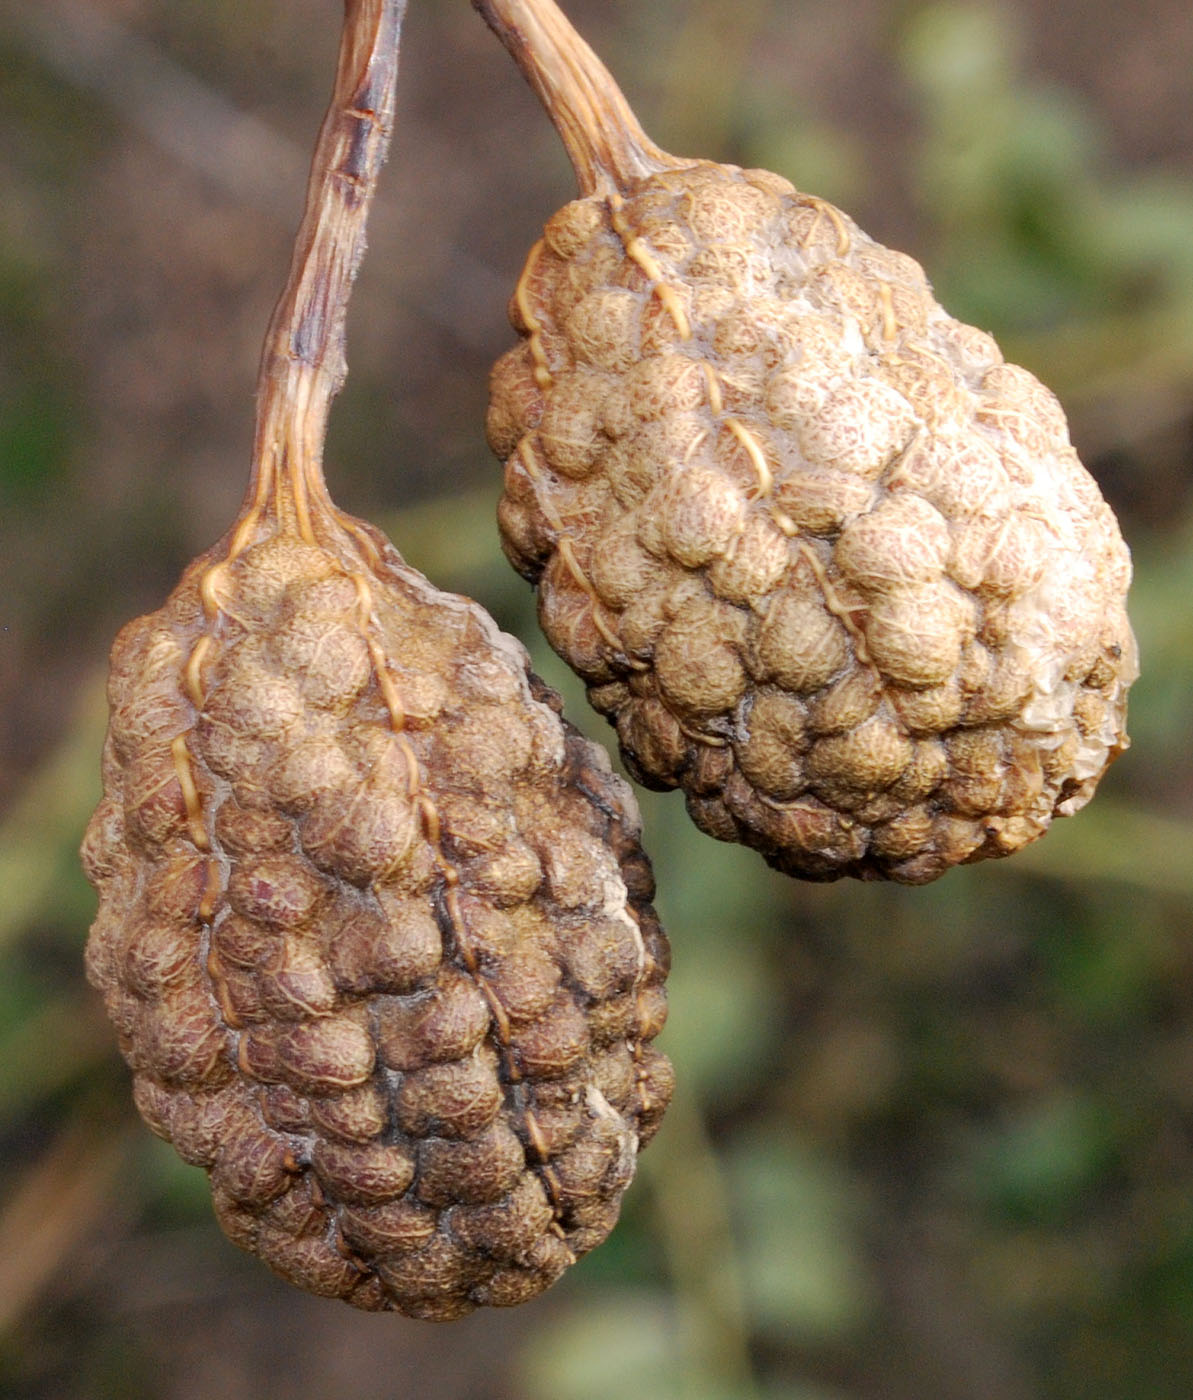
[374,923]
[824,560]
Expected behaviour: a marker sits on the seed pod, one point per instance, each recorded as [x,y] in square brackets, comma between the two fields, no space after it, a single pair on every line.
[825,561]
[374,923]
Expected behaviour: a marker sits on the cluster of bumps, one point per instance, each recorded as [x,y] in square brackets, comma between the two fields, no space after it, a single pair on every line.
[374,929]
[822,557]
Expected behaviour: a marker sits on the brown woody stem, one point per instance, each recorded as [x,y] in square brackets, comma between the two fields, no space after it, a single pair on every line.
[606,145]
[302,362]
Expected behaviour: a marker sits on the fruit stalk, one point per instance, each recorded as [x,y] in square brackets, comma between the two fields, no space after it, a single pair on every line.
[604,141]
[303,364]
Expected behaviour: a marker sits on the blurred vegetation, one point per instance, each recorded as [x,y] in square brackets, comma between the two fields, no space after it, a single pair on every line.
[930,1144]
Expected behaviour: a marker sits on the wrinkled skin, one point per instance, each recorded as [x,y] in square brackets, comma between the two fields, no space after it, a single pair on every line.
[374,928]
[826,562]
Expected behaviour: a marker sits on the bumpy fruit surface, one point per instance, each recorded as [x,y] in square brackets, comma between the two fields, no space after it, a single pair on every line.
[374,927]
[825,560]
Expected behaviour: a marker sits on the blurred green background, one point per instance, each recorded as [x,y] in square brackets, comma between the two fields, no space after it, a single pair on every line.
[929,1144]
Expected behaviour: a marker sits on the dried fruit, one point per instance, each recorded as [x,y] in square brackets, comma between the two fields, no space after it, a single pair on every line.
[824,560]
[374,923]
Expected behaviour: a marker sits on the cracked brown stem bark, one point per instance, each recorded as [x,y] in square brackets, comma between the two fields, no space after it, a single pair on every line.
[607,147]
[302,362]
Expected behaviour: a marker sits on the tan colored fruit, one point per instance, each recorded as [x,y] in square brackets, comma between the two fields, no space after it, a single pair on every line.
[824,559]
[374,923]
